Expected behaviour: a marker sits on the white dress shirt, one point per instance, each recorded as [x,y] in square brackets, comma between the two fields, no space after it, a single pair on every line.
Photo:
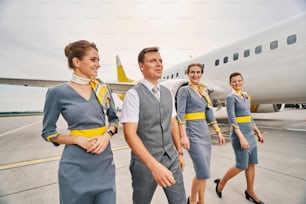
[130,107]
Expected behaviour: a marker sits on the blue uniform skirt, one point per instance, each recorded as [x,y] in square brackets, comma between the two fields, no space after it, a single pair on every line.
[85,177]
[200,147]
[245,156]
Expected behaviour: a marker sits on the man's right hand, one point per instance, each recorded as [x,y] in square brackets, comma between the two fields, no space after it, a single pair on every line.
[162,175]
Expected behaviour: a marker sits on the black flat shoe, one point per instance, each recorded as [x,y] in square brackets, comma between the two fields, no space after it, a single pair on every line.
[219,194]
[249,197]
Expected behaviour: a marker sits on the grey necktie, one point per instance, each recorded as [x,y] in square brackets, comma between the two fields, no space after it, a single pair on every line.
[155,91]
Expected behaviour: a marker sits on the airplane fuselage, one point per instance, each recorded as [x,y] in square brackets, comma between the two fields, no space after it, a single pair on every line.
[273,63]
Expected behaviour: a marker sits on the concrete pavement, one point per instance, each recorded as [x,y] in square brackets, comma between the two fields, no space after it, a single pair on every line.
[28,165]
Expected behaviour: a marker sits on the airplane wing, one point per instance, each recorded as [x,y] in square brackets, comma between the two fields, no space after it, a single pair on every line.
[120,87]
[116,87]
[30,82]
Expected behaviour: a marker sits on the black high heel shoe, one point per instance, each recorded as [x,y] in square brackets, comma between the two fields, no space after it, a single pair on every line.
[219,194]
[249,197]
[188,201]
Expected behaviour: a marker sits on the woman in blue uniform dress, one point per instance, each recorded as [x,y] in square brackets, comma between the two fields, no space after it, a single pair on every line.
[86,171]
[242,138]
[194,111]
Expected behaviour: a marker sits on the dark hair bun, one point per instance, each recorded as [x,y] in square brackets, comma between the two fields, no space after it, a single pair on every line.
[67,50]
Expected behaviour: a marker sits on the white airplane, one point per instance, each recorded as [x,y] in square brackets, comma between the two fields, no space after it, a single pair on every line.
[273,63]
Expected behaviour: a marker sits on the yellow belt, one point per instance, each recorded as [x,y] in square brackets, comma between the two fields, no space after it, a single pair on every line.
[243,119]
[88,132]
[195,116]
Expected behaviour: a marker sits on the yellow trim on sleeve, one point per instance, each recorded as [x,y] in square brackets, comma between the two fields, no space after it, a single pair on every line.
[52,136]
[213,122]
[180,121]
[235,126]
[114,124]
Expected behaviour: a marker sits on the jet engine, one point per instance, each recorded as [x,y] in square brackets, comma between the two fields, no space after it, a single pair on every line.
[267,108]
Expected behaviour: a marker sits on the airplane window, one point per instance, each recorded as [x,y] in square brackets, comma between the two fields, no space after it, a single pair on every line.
[171,76]
[177,74]
[246,53]
[203,65]
[225,59]
[258,49]
[235,56]
[273,44]
[217,62]
[291,39]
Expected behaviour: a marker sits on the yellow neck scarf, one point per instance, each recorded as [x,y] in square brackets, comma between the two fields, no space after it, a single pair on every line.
[243,94]
[203,91]
[239,92]
[102,92]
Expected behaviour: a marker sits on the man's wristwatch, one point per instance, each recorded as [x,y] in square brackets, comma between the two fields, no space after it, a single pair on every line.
[110,133]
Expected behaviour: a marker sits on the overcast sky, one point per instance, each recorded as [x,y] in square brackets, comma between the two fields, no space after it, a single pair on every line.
[33,33]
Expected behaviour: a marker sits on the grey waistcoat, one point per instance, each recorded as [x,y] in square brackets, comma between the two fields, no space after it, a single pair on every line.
[154,122]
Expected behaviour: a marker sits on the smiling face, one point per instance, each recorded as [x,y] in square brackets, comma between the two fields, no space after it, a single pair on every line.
[152,66]
[88,65]
[236,82]
[195,74]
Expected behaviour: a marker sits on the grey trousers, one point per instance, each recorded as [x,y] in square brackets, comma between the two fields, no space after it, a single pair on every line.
[144,184]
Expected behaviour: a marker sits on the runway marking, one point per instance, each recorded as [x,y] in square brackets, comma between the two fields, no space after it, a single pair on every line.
[294,129]
[20,128]
[281,128]
[26,163]
[56,158]
[49,159]
[28,189]
[120,148]
[262,167]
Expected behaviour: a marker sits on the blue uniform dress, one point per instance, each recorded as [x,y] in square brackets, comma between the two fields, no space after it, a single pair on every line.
[188,101]
[83,177]
[240,108]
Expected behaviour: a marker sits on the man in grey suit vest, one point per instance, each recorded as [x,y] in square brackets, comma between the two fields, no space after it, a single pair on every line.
[150,128]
